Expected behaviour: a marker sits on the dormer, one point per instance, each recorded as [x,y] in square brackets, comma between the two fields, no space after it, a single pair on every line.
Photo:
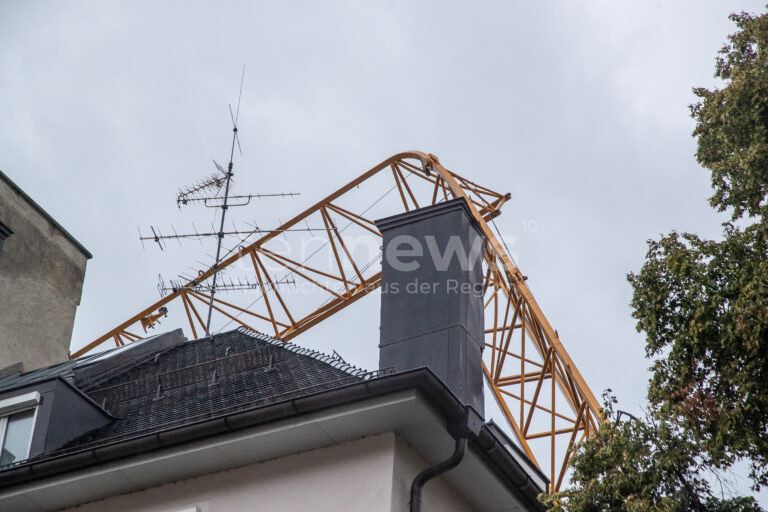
[43,410]
[43,417]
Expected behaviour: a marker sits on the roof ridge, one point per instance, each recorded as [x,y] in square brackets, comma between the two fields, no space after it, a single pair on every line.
[339,364]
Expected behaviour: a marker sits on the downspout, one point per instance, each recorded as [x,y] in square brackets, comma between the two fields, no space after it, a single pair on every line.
[435,471]
[469,425]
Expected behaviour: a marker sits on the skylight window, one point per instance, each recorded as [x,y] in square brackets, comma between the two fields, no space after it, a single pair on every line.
[17,418]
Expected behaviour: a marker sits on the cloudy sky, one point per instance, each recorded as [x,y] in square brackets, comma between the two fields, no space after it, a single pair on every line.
[578,108]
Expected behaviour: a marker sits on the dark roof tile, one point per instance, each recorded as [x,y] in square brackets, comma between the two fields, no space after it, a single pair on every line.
[199,380]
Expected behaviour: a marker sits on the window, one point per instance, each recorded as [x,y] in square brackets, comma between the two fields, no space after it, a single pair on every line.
[17,418]
[5,232]
[17,436]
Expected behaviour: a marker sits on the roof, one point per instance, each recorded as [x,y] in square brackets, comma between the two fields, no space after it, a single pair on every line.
[172,391]
[67,235]
[100,363]
[190,382]
[207,378]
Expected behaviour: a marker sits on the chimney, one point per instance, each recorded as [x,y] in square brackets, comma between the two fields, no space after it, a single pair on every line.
[432,296]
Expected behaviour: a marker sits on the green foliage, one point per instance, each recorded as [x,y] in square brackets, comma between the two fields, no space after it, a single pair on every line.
[639,465]
[703,304]
[704,308]
[732,122]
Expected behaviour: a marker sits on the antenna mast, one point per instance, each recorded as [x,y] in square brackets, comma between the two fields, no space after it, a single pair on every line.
[224,204]
[197,194]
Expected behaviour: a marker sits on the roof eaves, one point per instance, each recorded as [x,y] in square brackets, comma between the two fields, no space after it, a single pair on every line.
[439,396]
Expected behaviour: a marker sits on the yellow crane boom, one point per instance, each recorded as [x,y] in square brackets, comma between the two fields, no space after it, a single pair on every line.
[543,396]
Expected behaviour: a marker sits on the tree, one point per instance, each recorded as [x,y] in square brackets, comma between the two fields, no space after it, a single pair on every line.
[703,306]
[732,122]
[640,465]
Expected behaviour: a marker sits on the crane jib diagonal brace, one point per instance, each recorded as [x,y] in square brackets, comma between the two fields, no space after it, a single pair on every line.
[547,403]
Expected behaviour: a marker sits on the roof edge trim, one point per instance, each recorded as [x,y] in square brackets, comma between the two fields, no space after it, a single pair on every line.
[439,396]
[4,177]
[515,470]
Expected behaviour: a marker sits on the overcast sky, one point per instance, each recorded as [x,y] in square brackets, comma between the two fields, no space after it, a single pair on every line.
[579,109]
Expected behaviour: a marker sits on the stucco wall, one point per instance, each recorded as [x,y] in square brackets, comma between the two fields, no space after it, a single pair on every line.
[436,495]
[41,277]
[372,474]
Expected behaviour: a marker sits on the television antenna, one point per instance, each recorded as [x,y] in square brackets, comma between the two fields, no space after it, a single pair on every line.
[214,191]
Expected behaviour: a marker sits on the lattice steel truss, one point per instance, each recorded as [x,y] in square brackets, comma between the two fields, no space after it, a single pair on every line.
[547,403]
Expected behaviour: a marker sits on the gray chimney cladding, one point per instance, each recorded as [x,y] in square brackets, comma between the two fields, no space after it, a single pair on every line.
[432,296]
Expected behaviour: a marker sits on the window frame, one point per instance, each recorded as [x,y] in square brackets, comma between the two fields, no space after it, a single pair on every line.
[12,405]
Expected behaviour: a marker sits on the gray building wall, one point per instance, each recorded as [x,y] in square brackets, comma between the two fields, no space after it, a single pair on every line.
[41,278]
